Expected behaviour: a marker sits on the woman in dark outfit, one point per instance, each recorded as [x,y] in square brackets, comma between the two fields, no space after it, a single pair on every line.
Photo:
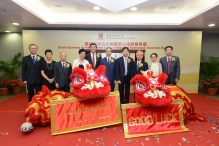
[47,70]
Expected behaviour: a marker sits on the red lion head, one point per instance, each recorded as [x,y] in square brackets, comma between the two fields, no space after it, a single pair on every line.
[150,90]
[89,83]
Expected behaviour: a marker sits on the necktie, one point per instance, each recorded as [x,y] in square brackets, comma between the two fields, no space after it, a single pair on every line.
[34,60]
[137,65]
[93,61]
[63,66]
[168,66]
[126,71]
[109,61]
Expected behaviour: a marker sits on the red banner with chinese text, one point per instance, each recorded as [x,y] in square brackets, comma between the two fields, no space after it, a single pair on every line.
[71,115]
[142,120]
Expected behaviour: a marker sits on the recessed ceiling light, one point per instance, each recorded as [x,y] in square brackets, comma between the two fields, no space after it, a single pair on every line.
[172,7]
[7,31]
[15,23]
[133,9]
[57,6]
[96,8]
[211,25]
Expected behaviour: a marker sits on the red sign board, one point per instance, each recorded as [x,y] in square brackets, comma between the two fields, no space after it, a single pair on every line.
[142,120]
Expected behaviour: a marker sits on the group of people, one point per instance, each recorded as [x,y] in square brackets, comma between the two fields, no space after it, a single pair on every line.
[38,71]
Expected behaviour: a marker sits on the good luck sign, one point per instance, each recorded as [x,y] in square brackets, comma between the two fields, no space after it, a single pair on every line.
[143,120]
[74,114]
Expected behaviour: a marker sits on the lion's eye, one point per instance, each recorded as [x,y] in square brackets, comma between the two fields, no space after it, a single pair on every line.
[78,80]
[140,86]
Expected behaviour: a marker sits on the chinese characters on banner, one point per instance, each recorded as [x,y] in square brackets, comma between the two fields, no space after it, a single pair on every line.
[118,45]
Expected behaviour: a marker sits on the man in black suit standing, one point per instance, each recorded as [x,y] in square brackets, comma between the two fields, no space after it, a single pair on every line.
[31,71]
[139,64]
[124,73]
[62,72]
[171,66]
[93,58]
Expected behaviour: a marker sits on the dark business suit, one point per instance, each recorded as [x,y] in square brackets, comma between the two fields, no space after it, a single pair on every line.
[138,69]
[174,69]
[125,80]
[110,71]
[62,76]
[32,74]
[98,59]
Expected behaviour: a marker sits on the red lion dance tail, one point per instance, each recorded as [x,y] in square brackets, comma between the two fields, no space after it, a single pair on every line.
[38,109]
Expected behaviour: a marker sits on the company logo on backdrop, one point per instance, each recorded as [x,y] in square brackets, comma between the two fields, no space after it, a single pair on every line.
[100,36]
[117,36]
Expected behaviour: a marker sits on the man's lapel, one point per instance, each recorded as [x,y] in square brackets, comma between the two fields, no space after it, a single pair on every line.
[123,65]
[90,58]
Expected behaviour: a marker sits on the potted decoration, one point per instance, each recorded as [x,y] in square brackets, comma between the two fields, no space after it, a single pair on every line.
[212,86]
[209,69]
[3,88]
[9,68]
[16,86]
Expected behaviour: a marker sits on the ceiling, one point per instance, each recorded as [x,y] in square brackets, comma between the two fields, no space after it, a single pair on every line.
[113,15]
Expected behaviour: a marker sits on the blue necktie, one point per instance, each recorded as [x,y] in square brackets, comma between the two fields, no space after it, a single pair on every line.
[34,60]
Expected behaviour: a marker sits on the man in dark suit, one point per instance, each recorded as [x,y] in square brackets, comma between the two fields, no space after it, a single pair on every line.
[171,66]
[124,73]
[62,72]
[139,64]
[31,71]
[93,58]
[110,64]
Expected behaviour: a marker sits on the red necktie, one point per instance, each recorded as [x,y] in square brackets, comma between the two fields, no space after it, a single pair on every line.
[93,61]
[168,66]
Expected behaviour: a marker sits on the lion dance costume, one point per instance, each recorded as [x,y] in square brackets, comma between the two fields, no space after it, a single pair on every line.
[152,91]
[86,83]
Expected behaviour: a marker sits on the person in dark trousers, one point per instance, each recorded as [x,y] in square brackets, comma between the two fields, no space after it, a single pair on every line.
[140,64]
[93,58]
[31,71]
[171,66]
[47,70]
[124,73]
[110,64]
[62,72]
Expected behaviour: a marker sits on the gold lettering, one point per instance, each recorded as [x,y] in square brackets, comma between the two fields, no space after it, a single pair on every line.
[143,120]
[157,122]
[150,120]
[169,117]
[91,109]
[137,121]
[174,117]
[132,121]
